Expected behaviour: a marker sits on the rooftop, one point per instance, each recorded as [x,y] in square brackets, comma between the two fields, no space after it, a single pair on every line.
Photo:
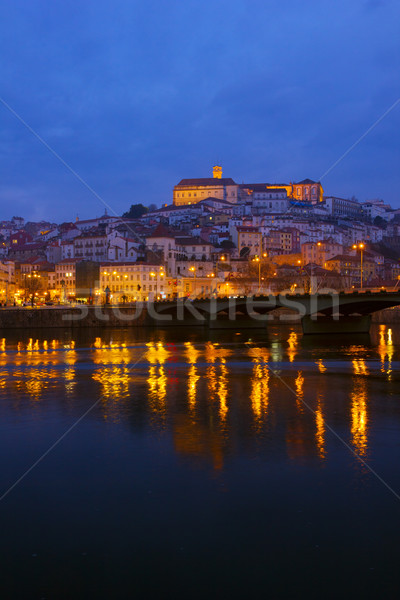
[206,181]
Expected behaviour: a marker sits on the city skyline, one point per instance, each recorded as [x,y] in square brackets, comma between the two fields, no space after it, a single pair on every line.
[133,104]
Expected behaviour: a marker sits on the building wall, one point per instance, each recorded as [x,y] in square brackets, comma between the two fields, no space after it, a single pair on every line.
[184,195]
[91,248]
[342,207]
[134,281]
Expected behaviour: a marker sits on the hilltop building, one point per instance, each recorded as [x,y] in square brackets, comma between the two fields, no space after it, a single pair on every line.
[191,191]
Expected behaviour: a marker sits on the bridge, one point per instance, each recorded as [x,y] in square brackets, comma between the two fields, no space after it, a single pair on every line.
[325,312]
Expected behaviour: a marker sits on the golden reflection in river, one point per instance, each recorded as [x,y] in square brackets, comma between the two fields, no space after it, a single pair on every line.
[359,416]
[197,441]
[35,381]
[35,370]
[193,377]
[113,376]
[223,390]
[386,350]
[157,380]
[299,384]
[321,367]
[156,354]
[3,380]
[217,382]
[360,366]
[100,345]
[259,383]
[69,373]
[292,343]
[320,428]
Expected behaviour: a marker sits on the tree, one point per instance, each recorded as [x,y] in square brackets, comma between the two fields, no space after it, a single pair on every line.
[267,268]
[227,244]
[135,211]
[380,222]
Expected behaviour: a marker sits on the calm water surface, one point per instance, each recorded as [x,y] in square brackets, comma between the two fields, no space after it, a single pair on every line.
[217,465]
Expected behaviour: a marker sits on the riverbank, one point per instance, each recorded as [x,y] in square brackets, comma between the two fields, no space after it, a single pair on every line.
[77,317]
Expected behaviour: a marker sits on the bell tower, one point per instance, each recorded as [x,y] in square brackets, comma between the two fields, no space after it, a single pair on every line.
[217,172]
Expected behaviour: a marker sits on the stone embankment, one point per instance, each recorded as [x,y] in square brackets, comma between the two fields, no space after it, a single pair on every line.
[390,316]
[73,317]
[122,316]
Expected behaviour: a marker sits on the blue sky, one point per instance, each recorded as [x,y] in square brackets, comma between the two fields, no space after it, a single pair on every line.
[135,96]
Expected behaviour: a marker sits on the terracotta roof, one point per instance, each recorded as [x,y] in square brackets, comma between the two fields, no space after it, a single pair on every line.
[213,199]
[207,181]
[263,187]
[161,231]
[127,263]
[346,257]
[247,229]
[306,182]
[191,241]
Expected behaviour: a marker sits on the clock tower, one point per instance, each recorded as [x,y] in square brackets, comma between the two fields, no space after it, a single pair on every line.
[217,172]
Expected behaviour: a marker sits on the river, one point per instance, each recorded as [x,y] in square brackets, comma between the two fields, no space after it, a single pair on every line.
[150,463]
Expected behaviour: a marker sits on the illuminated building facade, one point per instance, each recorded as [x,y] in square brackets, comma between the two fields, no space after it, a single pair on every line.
[191,191]
[248,237]
[66,278]
[319,252]
[7,281]
[130,282]
[350,267]
[307,191]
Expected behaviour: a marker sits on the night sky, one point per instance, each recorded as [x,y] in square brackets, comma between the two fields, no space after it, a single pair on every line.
[135,96]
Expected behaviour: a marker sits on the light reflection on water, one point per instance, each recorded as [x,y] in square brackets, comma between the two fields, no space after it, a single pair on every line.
[215,391]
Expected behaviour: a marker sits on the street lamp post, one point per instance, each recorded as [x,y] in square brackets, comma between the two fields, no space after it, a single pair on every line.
[154,279]
[62,283]
[193,270]
[162,282]
[257,260]
[361,247]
